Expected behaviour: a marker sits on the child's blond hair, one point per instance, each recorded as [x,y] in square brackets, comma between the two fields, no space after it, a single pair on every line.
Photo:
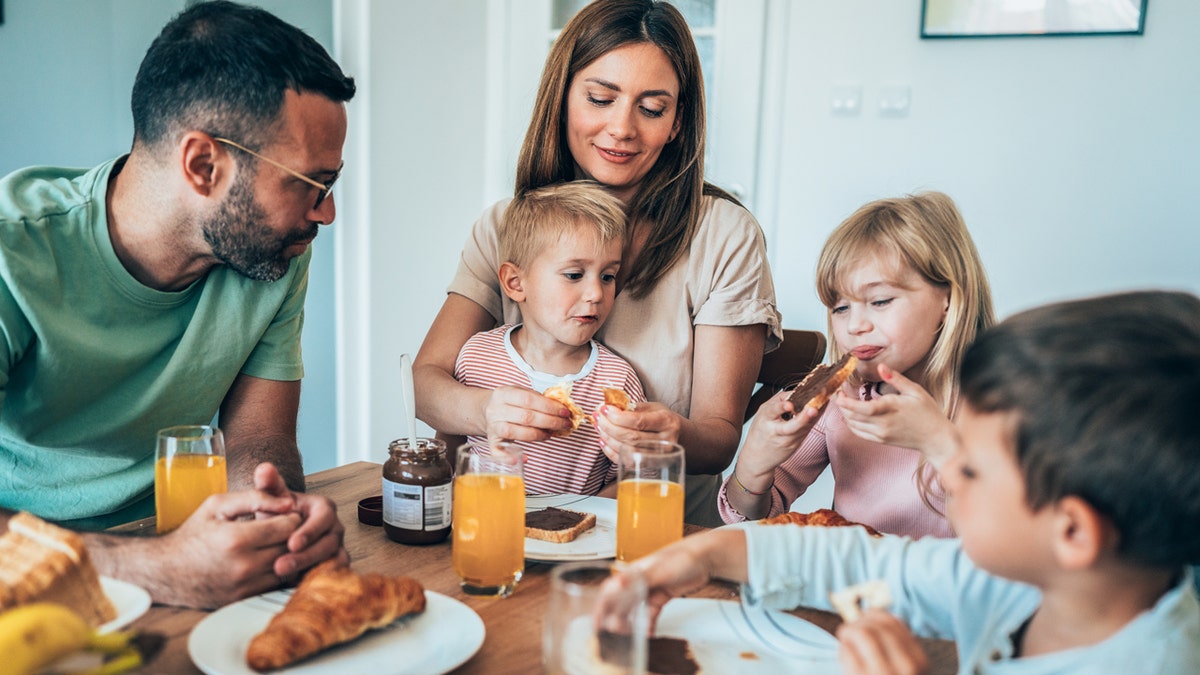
[535,219]
[926,232]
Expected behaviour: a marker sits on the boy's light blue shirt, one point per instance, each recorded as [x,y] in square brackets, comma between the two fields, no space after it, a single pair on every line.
[940,593]
[93,363]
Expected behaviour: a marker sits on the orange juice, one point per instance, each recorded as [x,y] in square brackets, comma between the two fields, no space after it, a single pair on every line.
[489,532]
[182,483]
[649,516]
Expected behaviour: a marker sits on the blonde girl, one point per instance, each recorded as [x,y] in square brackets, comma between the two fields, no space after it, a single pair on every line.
[906,293]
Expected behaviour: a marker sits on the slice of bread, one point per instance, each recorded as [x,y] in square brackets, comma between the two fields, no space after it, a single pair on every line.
[557,525]
[852,600]
[40,562]
[822,382]
[562,393]
[617,398]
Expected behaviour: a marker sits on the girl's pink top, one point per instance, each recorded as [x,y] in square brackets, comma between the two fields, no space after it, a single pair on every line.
[873,483]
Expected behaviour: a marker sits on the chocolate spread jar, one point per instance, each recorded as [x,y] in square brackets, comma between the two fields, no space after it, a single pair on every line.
[416,492]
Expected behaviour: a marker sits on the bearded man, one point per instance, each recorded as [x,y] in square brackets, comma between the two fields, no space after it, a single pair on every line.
[166,287]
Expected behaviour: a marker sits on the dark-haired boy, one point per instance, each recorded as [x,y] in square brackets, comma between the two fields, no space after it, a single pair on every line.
[166,285]
[1076,495]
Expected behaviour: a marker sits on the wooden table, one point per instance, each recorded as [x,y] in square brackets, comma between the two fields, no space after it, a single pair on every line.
[513,624]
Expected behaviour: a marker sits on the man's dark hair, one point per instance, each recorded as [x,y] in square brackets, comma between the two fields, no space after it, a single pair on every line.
[223,68]
[1106,393]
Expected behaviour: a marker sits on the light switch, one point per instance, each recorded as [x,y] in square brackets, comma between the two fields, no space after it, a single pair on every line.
[846,99]
[894,100]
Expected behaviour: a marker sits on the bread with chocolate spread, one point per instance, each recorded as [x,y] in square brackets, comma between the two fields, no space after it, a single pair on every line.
[557,525]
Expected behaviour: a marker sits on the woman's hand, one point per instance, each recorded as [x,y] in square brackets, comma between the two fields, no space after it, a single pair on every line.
[520,414]
[649,421]
[909,418]
[880,643]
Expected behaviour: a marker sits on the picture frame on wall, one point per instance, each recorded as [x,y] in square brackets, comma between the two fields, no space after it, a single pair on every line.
[1031,18]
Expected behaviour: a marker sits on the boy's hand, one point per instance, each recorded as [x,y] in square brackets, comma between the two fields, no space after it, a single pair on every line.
[677,569]
[910,418]
[520,414]
[879,643]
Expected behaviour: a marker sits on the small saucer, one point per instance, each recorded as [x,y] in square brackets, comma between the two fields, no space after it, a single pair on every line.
[370,511]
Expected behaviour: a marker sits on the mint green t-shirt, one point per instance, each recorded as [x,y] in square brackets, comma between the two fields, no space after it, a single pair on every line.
[93,363]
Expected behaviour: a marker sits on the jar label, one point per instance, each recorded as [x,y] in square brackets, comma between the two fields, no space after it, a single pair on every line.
[412,507]
[437,507]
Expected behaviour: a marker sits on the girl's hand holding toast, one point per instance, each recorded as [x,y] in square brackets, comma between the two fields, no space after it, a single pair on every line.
[775,433]
[771,439]
[908,418]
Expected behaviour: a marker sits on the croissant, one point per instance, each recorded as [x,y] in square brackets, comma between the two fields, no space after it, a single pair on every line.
[332,605]
[819,518]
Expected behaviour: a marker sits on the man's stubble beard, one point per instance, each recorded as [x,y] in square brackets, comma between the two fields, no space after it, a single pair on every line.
[240,240]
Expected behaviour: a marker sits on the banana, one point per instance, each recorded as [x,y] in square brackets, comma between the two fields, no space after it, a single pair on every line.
[35,635]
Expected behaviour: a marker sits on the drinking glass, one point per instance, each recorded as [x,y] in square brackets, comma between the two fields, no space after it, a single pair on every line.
[488,521]
[189,465]
[650,479]
[596,620]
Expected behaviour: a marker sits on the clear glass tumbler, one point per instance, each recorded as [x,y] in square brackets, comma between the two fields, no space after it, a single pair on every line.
[488,523]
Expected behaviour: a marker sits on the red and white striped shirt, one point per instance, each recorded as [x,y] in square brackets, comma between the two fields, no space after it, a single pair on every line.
[569,464]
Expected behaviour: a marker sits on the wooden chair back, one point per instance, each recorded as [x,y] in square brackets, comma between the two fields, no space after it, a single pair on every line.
[801,351]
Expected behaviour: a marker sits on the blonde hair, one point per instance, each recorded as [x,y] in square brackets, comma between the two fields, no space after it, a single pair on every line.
[536,219]
[670,197]
[926,232]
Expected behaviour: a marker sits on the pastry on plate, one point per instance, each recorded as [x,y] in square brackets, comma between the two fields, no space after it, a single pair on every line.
[818,518]
[333,604]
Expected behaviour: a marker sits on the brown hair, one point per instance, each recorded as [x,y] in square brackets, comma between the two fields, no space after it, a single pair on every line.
[535,219]
[670,196]
[1103,393]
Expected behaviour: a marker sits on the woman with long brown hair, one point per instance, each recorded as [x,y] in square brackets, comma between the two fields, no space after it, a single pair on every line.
[621,101]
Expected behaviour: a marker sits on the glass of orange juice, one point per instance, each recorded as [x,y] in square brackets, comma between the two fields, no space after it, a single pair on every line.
[650,479]
[189,466]
[488,521]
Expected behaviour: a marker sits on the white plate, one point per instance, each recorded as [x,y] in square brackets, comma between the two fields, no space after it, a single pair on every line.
[598,543]
[436,641]
[130,601]
[727,637]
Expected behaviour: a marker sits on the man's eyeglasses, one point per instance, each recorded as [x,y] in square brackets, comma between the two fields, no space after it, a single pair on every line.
[325,188]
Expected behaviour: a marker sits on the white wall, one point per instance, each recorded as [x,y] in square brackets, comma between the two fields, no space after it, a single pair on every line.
[413,187]
[1072,159]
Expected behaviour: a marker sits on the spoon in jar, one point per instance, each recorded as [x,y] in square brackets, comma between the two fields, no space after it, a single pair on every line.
[410,401]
